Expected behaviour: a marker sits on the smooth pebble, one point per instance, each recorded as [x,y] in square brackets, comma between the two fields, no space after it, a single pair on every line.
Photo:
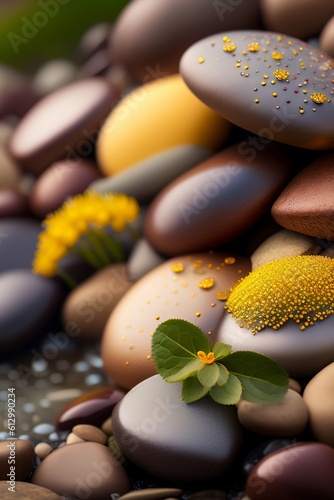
[286,418]
[174,440]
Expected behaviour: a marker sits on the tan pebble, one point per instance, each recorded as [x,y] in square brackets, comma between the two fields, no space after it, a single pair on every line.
[90,433]
[300,18]
[284,243]
[151,494]
[319,398]
[106,427]
[295,385]
[326,40]
[42,450]
[286,418]
[9,171]
[73,438]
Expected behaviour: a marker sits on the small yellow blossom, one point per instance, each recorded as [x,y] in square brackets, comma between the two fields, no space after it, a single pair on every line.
[208,359]
[77,227]
[299,288]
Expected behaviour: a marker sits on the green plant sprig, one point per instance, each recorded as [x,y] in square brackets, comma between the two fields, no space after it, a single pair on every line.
[182,353]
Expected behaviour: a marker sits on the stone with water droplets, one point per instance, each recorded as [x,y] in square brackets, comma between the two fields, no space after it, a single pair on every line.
[271,84]
[191,287]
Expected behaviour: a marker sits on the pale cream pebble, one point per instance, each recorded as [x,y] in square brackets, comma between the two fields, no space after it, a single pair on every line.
[73,438]
[284,243]
[286,418]
[326,40]
[319,398]
[295,385]
[42,450]
[106,427]
[89,433]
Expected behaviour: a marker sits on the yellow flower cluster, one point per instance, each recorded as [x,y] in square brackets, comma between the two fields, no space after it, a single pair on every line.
[292,288]
[77,225]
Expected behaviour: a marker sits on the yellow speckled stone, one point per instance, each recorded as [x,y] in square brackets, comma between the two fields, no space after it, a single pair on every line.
[154,118]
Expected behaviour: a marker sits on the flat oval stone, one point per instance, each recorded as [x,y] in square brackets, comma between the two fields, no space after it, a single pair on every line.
[281,15]
[301,353]
[62,124]
[271,84]
[82,470]
[182,131]
[16,234]
[304,471]
[283,243]
[152,494]
[96,38]
[13,203]
[53,75]
[27,302]
[27,491]
[216,201]
[16,458]
[184,287]
[10,174]
[286,418]
[90,304]
[89,432]
[174,440]
[150,37]
[306,205]
[60,181]
[318,396]
[92,408]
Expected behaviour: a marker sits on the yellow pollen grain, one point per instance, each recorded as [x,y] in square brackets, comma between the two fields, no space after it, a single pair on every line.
[253,47]
[206,283]
[127,363]
[200,60]
[148,356]
[275,94]
[256,101]
[157,317]
[222,295]
[229,47]
[123,337]
[277,56]
[281,74]
[301,111]
[198,314]
[289,289]
[318,97]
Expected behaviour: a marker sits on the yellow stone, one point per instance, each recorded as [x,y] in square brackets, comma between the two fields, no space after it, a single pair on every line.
[154,118]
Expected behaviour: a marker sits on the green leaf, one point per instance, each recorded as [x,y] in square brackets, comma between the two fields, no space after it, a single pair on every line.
[263,380]
[175,344]
[208,375]
[229,393]
[193,390]
[223,374]
[220,350]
